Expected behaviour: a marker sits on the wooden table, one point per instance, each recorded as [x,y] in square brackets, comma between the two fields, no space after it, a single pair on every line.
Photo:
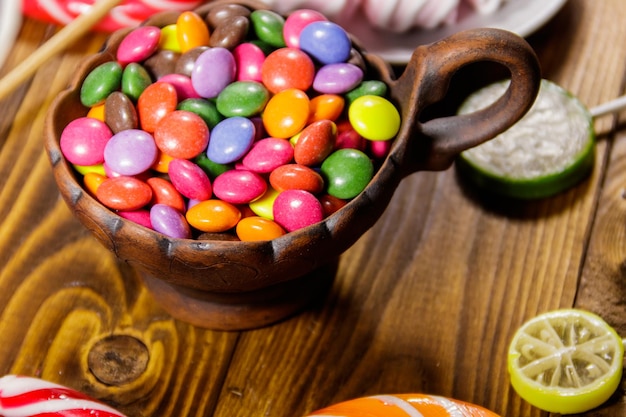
[426,301]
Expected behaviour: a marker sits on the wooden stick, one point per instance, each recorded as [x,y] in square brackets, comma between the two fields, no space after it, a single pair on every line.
[64,38]
[609,107]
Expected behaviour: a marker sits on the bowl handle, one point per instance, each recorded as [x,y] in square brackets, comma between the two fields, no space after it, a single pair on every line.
[434,144]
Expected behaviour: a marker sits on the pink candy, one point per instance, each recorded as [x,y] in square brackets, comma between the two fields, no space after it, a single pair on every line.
[83,141]
[295,209]
[22,396]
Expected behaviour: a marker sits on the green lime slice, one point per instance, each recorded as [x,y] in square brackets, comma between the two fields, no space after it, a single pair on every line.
[566,361]
[549,150]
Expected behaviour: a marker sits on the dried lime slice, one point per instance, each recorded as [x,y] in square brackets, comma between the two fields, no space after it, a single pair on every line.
[549,150]
[566,361]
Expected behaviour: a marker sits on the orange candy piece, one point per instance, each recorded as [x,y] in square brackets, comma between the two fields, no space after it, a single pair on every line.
[256,228]
[286,113]
[156,102]
[326,107]
[191,31]
[92,181]
[213,216]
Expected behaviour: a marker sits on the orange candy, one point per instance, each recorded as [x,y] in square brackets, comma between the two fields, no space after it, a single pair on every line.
[156,101]
[97,112]
[258,228]
[191,31]
[286,113]
[162,163]
[92,181]
[326,107]
[213,216]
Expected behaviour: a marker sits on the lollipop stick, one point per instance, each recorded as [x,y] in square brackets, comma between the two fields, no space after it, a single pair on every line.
[65,37]
[609,107]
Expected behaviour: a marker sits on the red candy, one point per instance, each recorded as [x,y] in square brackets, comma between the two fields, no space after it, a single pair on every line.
[315,143]
[155,103]
[124,193]
[296,177]
[287,68]
[164,192]
[181,134]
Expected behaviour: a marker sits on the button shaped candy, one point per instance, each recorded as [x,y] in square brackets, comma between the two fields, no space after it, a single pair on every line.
[120,113]
[182,84]
[141,217]
[139,44]
[92,180]
[268,154]
[230,140]
[124,193]
[169,38]
[296,21]
[230,33]
[295,209]
[296,177]
[268,27]
[100,82]
[83,141]
[213,216]
[239,186]
[181,134]
[367,88]
[190,180]
[215,68]
[331,204]
[326,42]
[264,206]
[326,107]
[158,100]
[242,98]
[135,79]
[203,108]
[337,78]
[287,68]
[222,12]
[315,143]
[347,172]
[374,117]
[257,228]
[164,192]
[191,31]
[163,62]
[286,113]
[187,60]
[130,152]
[169,221]
[249,59]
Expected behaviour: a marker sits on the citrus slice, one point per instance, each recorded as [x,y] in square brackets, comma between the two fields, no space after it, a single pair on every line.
[566,361]
[549,150]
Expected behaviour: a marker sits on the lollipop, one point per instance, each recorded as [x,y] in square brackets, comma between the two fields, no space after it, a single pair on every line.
[22,396]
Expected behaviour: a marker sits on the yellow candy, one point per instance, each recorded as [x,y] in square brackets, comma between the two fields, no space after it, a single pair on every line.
[169,38]
[84,169]
[191,31]
[374,118]
[162,163]
[264,206]
[97,112]
[213,216]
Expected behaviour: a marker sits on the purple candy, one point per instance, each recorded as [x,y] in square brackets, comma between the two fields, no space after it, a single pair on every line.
[215,68]
[130,152]
[326,42]
[169,221]
[230,140]
[337,78]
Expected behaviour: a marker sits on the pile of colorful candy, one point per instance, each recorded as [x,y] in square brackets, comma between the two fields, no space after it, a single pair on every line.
[241,120]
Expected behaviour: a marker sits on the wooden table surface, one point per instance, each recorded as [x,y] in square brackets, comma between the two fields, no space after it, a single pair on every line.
[426,301]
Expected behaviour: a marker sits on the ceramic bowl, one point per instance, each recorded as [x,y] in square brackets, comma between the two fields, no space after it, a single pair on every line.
[233,285]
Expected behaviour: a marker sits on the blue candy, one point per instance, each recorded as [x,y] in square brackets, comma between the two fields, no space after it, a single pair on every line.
[326,42]
[230,140]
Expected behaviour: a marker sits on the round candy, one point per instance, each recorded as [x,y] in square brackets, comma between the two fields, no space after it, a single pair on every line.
[337,78]
[249,59]
[124,193]
[83,141]
[296,177]
[296,21]
[287,68]
[130,152]
[367,88]
[268,154]
[242,98]
[135,79]
[315,143]
[187,60]
[268,27]
[161,63]
[100,82]
[374,118]
[213,216]
[181,134]
[190,180]
[257,228]
[230,33]
[326,42]
[157,101]
[139,44]
[191,31]
[164,192]
[169,221]
[203,108]
[295,209]
[120,113]
[141,217]
[286,113]
[182,84]
[239,186]
[230,140]
[264,206]
[326,107]
[331,204]
[92,180]
[347,172]
[223,12]
[215,68]
[169,38]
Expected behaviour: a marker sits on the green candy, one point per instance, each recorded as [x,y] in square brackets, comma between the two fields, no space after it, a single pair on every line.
[135,79]
[100,82]
[212,169]
[347,172]
[367,88]
[268,27]
[204,108]
[242,98]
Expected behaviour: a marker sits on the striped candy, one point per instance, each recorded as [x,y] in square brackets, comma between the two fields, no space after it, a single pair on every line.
[403,405]
[22,396]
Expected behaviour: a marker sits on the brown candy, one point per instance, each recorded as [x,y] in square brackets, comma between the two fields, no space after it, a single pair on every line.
[162,63]
[220,13]
[120,113]
[230,32]
[186,62]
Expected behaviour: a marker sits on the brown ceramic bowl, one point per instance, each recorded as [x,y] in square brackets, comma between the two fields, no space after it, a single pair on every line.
[231,285]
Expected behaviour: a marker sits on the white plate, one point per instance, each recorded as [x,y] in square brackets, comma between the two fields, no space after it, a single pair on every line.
[519,16]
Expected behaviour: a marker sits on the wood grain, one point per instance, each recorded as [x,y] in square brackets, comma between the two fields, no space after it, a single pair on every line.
[426,301]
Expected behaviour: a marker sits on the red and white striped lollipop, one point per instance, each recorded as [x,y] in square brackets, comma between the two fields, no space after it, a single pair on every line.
[22,396]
